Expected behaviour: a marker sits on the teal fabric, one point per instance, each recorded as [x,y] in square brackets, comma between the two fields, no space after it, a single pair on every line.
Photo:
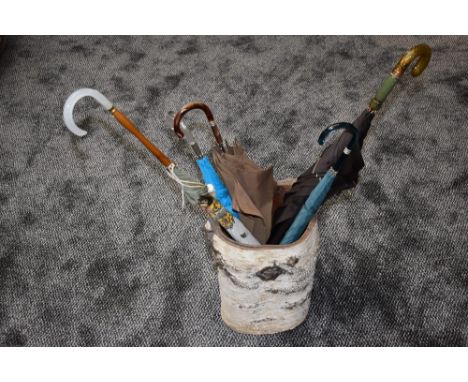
[310,208]
[210,176]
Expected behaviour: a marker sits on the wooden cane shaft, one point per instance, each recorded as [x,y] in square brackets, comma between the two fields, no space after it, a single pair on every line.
[129,125]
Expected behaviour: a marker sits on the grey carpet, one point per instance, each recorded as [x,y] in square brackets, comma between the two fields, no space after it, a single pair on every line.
[95,250]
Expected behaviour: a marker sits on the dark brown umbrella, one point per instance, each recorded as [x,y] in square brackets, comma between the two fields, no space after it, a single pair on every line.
[348,176]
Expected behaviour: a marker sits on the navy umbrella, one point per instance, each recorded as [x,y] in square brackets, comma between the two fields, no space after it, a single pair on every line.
[349,174]
[320,192]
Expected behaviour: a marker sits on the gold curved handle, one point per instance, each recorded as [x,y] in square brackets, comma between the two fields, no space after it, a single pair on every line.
[421,52]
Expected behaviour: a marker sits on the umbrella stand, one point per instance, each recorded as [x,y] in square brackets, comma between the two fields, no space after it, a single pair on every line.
[195,192]
[265,289]
[318,195]
[209,174]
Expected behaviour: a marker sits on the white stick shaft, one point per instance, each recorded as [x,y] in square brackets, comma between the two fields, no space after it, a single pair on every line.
[241,234]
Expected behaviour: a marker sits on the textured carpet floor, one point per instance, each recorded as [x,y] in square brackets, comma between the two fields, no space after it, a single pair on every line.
[95,250]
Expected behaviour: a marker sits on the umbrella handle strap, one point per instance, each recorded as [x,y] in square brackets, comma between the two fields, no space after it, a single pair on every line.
[185,184]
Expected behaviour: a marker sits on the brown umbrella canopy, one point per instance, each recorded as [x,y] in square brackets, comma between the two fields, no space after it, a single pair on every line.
[252,188]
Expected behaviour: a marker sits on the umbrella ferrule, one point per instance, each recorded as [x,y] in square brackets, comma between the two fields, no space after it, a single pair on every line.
[210,188]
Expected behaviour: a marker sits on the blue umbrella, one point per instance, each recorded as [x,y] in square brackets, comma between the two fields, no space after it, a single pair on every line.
[209,174]
[318,195]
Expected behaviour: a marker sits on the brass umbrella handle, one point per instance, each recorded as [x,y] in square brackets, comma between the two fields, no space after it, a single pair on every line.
[422,53]
[209,116]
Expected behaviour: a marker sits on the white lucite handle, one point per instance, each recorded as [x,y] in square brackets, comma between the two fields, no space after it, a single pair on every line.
[70,105]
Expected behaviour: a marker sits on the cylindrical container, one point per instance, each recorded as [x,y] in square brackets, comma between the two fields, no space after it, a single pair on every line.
[265,289]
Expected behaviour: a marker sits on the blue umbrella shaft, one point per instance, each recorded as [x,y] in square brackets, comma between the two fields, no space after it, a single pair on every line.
[310,208]
[210,176]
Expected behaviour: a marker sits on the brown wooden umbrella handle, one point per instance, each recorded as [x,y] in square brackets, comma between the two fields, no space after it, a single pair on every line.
[129,125]
[209,115]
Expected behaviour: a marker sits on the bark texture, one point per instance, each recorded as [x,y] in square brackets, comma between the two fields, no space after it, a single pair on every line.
[265,289]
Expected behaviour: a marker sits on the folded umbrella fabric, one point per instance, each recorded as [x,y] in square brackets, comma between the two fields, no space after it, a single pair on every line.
[306,182]
[252,188]
[321,190]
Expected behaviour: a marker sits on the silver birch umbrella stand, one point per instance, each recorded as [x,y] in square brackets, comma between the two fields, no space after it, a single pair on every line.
[265,289]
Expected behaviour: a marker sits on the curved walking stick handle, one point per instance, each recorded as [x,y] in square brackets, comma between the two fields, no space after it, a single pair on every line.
[70,105]
[209,115]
